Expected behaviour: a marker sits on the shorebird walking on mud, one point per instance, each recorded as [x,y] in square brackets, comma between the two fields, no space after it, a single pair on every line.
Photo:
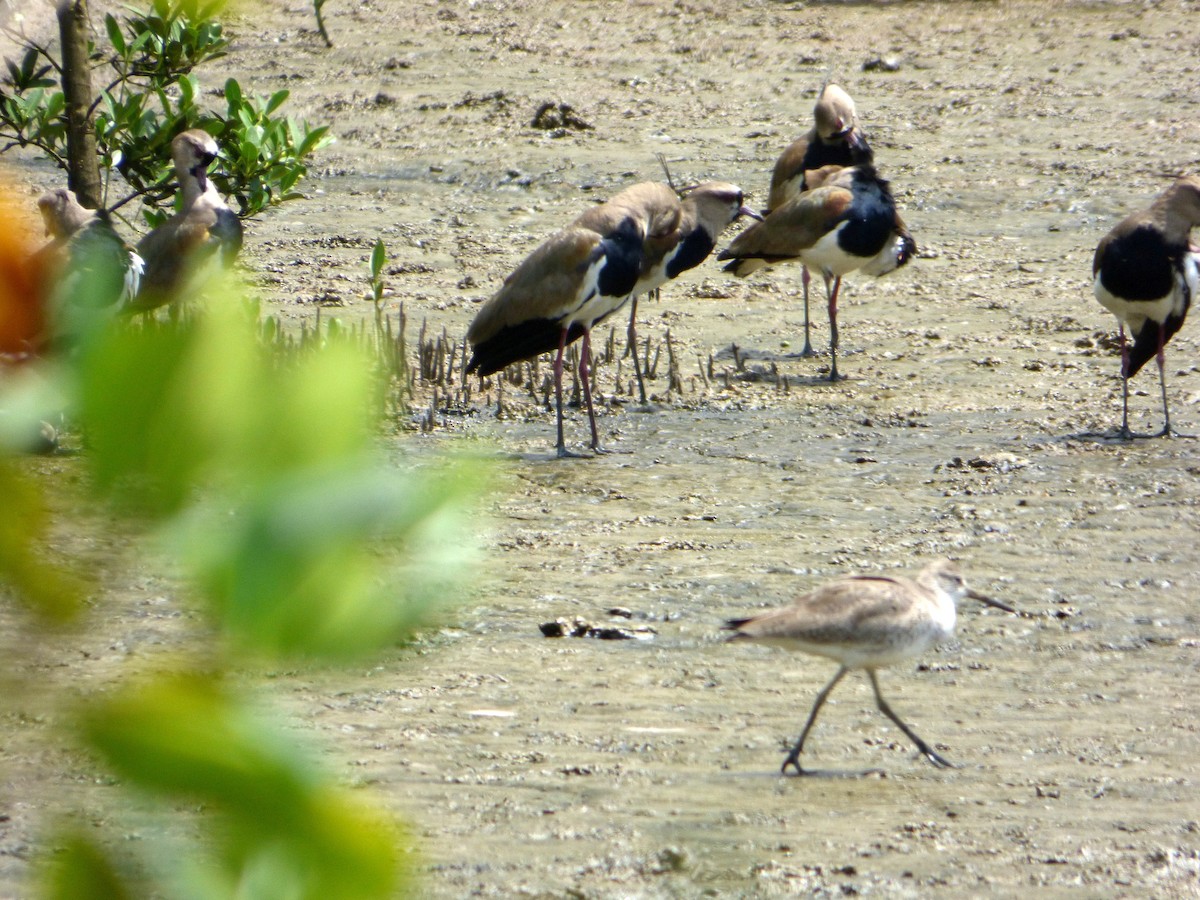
[833,140]
[571,281]
[681,235]
[865,622]
[846,223]
[1146,273]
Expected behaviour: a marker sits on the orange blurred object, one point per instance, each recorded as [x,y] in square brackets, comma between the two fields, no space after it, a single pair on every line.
[25,281]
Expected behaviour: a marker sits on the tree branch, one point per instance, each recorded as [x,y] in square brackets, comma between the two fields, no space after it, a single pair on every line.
[158,185]
[83,162]
[21,38]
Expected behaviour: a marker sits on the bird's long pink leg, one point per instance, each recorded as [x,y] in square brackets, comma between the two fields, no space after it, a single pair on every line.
[1125,432]
[585,377]
[561,447]
[833,329]
[805,278]
[1162,381]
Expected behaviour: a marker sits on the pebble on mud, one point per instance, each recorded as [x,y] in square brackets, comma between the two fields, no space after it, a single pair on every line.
[557,116]
[881,64]
[577,626]
[1002,462]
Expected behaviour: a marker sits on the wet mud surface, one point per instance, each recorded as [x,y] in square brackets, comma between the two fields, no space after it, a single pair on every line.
[1015,135]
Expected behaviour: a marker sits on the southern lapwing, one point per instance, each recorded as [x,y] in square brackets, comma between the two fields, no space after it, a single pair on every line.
[571,281]
[685,235]
[834,139]
[848,223]
[204,231]
[1145,272]
[658,205]
[92,265]
[866,622]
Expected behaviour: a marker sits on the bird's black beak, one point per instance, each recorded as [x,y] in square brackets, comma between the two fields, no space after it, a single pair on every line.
[748,213]
[200,171]
[975,595]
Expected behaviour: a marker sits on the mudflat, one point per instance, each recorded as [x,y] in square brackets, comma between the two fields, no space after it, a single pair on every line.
[981,386]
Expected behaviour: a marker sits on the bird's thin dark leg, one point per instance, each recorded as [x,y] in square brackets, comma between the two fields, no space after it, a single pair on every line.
[833,329]
[793,758]
[633,349]
[928,752]
[1167,430]
[805,278]
[561,447]
[585,378]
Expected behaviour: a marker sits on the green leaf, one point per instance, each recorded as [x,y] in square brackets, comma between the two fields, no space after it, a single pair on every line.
[277,100]
[53,592]
[28,64]
[188,738]
[297,574]
[313,139]
[378,258]
[144,453]
[82,870]
[233,94]
[115,36]
[55,105]
[187,91]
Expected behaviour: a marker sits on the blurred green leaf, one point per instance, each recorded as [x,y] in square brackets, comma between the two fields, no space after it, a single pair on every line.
[52,590]
[146,452]
[300,569]
[188,737]
[81,870]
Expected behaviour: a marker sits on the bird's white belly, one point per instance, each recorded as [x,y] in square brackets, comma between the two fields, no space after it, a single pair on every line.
[1134,313]
[598,307]
[826,256]
[592,305]
[886,260]
[656,277]
[875,646]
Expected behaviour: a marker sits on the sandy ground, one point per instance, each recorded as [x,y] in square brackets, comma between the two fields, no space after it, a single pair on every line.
[1015,135]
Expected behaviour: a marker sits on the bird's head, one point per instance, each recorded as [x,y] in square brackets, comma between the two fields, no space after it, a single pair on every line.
[193,152]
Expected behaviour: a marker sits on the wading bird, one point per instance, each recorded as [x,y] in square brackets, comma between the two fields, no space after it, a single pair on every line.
[681,236]
[848,222]
[866,622]
[204,231]
[571,281]
[834,139]
[92,265]
[1146,273]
